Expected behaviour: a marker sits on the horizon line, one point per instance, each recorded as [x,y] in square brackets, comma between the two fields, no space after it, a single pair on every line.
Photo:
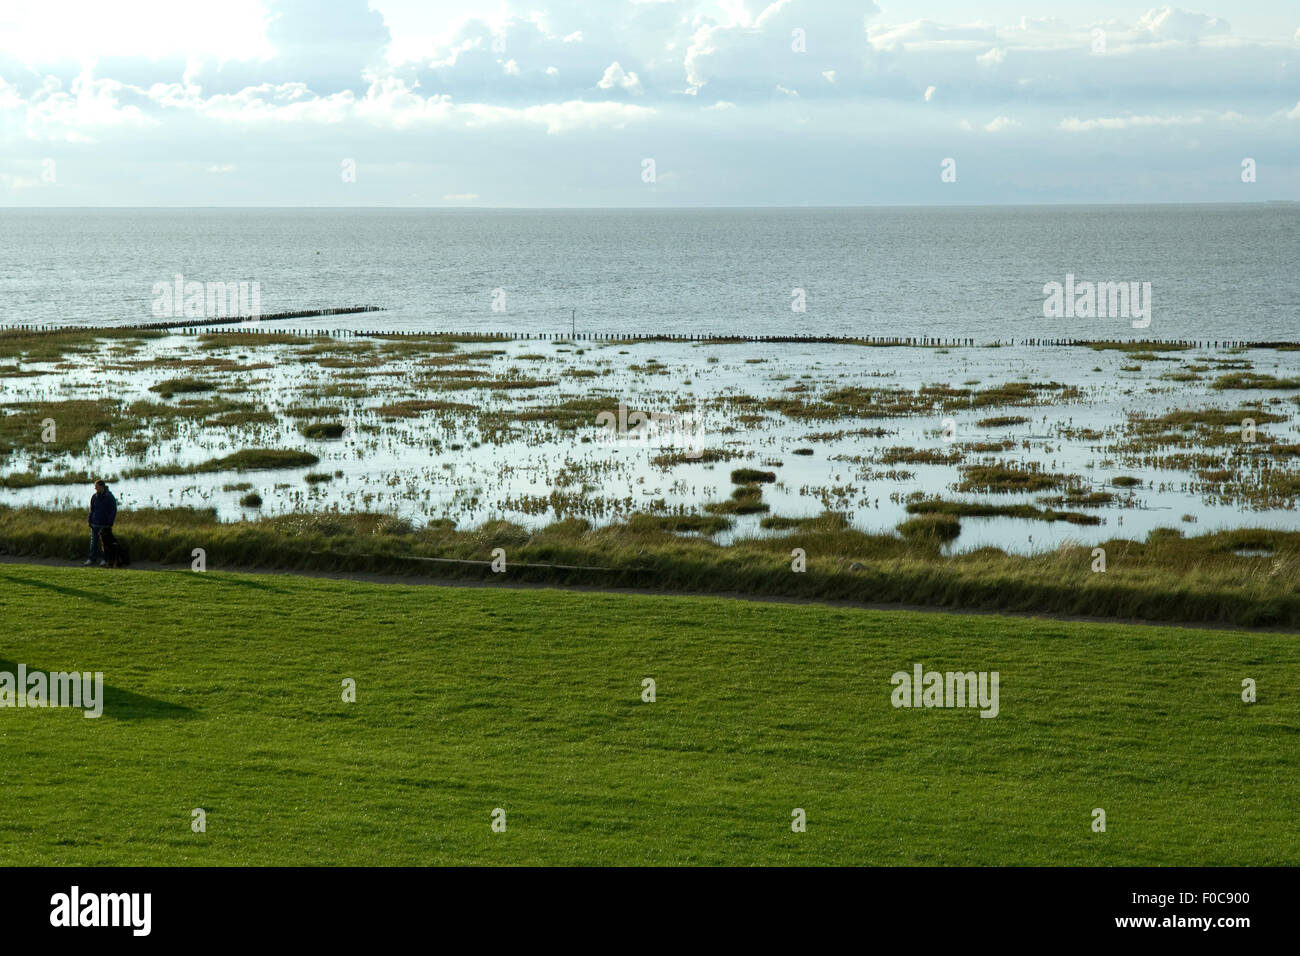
[522,208]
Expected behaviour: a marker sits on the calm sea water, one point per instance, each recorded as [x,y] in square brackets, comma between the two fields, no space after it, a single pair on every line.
[1216,271]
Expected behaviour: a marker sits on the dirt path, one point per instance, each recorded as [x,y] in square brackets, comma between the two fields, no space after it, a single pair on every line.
[412,581]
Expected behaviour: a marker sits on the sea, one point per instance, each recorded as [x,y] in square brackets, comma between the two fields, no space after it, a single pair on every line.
[1216,272]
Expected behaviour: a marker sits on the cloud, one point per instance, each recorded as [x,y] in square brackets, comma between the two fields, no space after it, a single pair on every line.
[790,44]
[79,116]
[1075,125]
[327,49]
[616,78]
[928,34]
[1170,23]
[717,85]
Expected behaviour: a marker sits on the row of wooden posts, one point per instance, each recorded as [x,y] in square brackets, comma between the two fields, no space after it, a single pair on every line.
[246,324]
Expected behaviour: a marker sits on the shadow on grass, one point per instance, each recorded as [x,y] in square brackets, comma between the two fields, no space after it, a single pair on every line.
[124,704]
[61,589]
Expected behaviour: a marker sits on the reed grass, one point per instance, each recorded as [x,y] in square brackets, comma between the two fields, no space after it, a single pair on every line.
[1167,577]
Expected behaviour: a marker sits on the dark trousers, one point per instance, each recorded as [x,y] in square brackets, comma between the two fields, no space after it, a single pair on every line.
[100,533]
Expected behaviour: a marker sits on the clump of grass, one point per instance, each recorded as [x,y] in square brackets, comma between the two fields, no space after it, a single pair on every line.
[979,509]
[827,521]
[250,459]
[931,527]
[702,524]
[1125,481]
[802,451]
[692,457]
[238,486]
[312,411]
[179,386]
[409,408]
[216,340]
[1245,380]
[781,523]
[749,476]
[32,479]
[1136,346]
[241,417]
[745,500]
[919,456]
[1002,421]
[1007,477]
[566,527]
[256,459]
[251,500]
[322,430]
[1080,497]
[317,477]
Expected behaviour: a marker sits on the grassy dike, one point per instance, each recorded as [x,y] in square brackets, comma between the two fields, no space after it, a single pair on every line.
[224,693]
[1167,577]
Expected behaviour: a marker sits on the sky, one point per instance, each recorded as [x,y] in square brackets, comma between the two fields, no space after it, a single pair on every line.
[627,103]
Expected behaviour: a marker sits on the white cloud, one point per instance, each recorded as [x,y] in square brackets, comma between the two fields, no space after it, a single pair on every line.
[929,93]
[993,57]
[1076,125]
[1170,23]
[999,123]
[927,34]
[616,77]
[92,106]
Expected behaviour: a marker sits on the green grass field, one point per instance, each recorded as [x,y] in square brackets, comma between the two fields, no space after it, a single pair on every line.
[225,694]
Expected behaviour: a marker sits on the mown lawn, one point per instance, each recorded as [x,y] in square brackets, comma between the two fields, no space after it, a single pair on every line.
[225,694]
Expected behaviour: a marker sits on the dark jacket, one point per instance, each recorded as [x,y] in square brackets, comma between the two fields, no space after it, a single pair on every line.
[103,508]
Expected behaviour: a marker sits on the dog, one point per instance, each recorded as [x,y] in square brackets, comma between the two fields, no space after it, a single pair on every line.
[116,552]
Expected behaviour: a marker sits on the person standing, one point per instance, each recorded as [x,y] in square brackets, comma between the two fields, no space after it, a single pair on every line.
[103,512]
